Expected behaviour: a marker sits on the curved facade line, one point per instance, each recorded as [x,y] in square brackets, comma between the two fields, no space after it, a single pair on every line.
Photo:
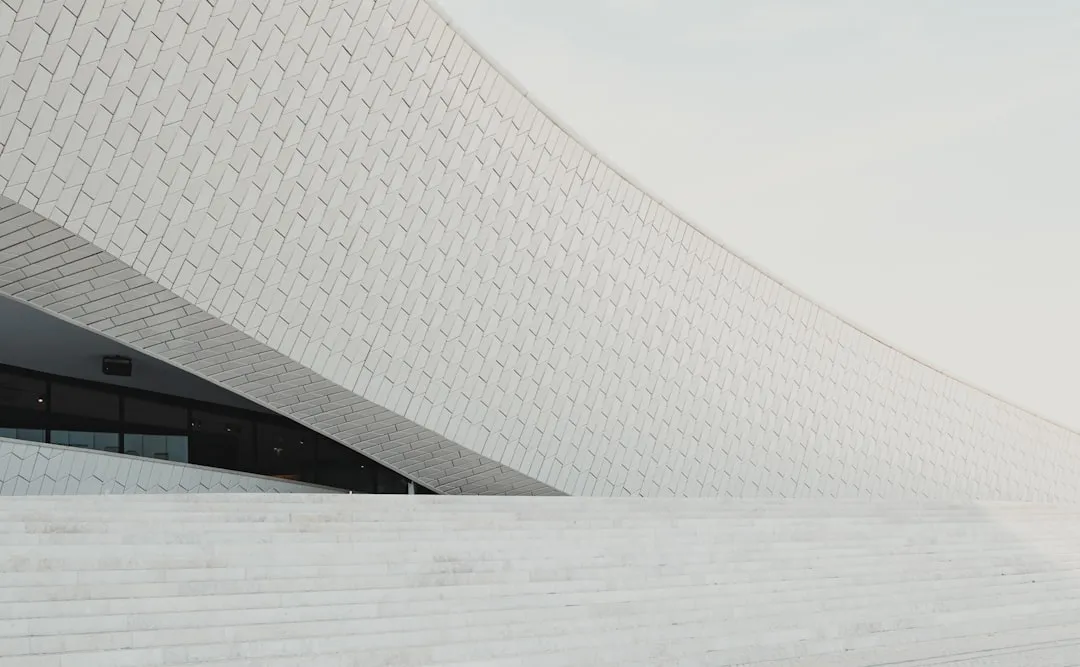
[705,231]
[345,212]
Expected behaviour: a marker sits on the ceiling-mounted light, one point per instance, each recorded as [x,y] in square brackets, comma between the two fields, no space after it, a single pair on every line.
[113,365]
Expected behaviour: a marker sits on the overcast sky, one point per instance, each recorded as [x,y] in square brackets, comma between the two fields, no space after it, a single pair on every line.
[913,165]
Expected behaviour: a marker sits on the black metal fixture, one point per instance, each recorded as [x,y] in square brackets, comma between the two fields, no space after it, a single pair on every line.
[120,366]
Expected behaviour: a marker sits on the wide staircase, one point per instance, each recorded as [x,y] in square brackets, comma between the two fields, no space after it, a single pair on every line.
[332,581]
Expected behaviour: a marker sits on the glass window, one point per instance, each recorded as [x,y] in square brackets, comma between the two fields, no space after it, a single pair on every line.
[220,440]
[106,442]
[388,481]
[155,429]
[285,450]
[156,446]
[22,407]
[108,418]
[341,467]
[31,434]
[84,417]
[76,401]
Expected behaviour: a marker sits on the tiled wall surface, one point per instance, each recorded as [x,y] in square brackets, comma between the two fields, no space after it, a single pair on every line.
[70,277]
[32,468]
[341,210]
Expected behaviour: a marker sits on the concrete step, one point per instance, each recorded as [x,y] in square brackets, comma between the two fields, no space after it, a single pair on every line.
[248,515]
[94,562]
[80,633]
[60,521]
[543,504]
[255,594]
[368,580]
[673,631]
[507,502]
[1010,646]
[223,518]
[459,505]
[138,535]
[796,581]
[90,559]
[677,610]
[27,601]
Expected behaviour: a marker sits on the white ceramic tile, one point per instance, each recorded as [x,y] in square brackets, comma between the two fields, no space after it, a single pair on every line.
[342,184]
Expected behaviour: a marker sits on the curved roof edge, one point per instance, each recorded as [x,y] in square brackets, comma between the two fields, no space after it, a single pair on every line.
[648,192]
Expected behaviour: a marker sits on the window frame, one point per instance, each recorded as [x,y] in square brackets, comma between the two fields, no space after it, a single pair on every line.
[258,420]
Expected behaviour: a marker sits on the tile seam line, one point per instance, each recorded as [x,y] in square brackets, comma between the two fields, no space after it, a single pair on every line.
[687,220]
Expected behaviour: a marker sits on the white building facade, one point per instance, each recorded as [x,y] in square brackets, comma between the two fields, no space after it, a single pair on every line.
[346,215]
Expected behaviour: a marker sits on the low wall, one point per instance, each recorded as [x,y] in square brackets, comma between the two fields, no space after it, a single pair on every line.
[33,469]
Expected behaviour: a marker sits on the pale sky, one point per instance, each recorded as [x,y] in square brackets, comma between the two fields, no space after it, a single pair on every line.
[912,165]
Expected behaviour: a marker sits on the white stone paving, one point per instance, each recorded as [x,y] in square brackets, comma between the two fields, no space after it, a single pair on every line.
[331,580]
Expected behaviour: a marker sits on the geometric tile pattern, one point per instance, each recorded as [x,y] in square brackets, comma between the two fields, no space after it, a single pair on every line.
[35,469]
[363,206]
[53,269]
